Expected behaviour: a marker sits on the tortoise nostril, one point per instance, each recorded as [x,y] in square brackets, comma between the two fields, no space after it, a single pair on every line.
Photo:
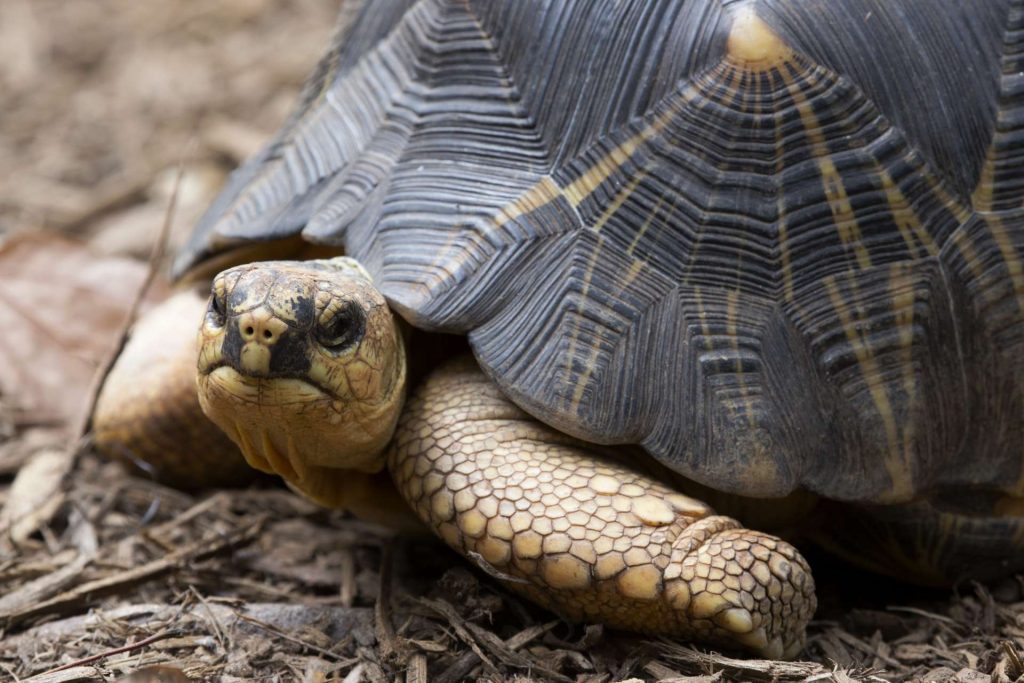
[249,331]
[267,334]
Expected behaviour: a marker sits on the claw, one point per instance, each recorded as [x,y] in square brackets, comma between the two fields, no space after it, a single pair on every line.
[756,640]
[737,620]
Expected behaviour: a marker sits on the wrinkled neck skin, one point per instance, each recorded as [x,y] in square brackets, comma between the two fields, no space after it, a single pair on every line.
[303,365]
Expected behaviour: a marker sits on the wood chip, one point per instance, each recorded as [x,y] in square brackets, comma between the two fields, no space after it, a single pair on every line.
[44,587]
[87,591]
[745,669]
[79,673]
[417,669]
[35,495]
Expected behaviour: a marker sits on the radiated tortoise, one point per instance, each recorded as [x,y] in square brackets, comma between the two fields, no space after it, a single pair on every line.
[761,250]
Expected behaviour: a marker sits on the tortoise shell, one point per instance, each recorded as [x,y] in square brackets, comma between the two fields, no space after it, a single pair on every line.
[780,244]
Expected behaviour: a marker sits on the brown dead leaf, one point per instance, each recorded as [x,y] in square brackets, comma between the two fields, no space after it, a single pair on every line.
[35,495]
[61,309]
[14,453]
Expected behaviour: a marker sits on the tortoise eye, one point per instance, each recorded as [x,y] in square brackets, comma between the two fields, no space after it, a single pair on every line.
[344,329]
[216,312]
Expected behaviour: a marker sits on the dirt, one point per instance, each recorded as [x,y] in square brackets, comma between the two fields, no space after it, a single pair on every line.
[106,575]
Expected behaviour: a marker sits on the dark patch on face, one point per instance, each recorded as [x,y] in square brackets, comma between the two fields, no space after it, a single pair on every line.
[231,350]
[290,356]
[292,352]
[302,306]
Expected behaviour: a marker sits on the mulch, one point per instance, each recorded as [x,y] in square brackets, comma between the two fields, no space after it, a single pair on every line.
[107,575]
[126,576]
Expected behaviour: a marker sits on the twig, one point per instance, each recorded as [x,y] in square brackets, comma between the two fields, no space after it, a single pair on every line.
[347,592]
[203,506]
[48,584]
[298,641]
[458,624]
[218,629]
[492,571]
[385,630]
[116,651]
[744,669]
[662,672]
[460,669]
[84,592]
[508,654]
[1014,657]
[921,613]
[156,257]
[859,644]
[10,672]
[417,669]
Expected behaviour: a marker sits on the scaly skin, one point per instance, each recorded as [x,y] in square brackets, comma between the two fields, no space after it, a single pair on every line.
[583,535]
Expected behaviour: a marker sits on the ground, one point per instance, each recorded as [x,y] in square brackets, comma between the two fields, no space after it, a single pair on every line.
[108,106]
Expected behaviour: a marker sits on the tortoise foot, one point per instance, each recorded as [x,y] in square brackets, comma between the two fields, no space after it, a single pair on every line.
[585,536]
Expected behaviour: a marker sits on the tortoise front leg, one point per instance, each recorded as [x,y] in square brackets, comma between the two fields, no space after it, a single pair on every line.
[587,537]
[148,415]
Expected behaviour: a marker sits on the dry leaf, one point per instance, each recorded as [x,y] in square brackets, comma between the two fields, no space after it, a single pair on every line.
[61,309]
[35,495]
[156,674]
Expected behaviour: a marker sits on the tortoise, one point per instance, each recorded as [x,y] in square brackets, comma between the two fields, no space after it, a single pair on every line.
[768,254]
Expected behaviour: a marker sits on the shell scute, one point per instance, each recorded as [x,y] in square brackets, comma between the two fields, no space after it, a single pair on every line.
[770,242]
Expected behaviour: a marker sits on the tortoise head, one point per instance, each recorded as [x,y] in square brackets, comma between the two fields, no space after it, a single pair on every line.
[302,364]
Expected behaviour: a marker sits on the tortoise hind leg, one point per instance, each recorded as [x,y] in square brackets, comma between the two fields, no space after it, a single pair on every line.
[147,414]
[585,536]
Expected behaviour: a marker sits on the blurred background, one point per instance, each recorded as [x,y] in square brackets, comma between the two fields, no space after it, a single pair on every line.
[101,100]
[102,103]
